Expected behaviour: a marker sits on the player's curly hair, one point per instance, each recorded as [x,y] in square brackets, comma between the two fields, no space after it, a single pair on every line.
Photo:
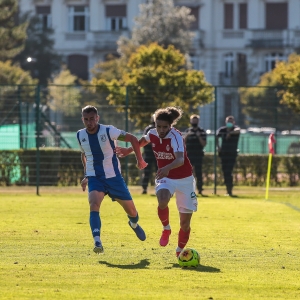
[170,114]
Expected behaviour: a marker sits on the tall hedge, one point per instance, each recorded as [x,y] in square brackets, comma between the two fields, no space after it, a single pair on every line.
[63,167]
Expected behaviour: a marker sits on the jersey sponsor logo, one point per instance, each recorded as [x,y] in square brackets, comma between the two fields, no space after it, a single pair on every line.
[163,155]
[103,138]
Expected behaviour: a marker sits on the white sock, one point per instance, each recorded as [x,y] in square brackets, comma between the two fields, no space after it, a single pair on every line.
[133,225]
[178,249]
[168,227]
[97,239]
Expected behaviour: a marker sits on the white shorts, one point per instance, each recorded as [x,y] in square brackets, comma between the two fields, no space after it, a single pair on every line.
[184,188]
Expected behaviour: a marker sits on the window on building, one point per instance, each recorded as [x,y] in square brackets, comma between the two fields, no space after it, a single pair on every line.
[195,12]
[44,13]
[229,65]
[78,65]
[116,17]
[271,59]
[78,18]
[276,15]
[228,15]
[243,16]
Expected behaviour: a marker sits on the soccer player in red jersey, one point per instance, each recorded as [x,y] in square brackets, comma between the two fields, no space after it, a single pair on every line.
[174,174]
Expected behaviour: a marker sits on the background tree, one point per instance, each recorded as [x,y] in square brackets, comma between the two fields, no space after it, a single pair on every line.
[12,35]
[17,87]
[287,75]
[157,78]
[162,22]
[64,96]
[264,104]
[39,46]
[159,21]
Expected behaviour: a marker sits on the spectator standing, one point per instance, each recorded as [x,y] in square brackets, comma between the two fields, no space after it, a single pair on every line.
[195,141]
[228,150]
[149,158]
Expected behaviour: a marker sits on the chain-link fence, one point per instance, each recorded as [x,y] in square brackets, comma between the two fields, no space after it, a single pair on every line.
[39,126]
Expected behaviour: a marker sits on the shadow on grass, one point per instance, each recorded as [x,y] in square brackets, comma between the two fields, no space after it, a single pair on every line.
[141,265]
[200,268]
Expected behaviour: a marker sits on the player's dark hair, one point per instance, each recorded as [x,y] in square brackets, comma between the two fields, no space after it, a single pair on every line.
[169,114]
[89,108]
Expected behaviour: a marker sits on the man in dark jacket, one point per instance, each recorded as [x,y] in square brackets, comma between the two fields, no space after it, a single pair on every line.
[149,157]
[228,151]
[195,140]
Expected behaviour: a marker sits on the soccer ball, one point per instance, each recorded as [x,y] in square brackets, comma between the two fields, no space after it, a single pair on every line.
[188,257]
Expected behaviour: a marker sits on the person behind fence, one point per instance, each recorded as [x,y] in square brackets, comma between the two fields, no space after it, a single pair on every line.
[102,172]
[149,159]
[228,150]
[174,174]
[195,141]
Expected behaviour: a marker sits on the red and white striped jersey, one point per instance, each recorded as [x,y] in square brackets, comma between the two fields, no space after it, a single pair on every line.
[164,150]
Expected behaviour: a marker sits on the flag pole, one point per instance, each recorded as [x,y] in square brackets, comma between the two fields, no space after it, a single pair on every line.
[271,142]
[268,175]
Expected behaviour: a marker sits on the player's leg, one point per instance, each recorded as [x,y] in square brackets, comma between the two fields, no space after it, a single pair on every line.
[118,191]
[187,203]
[95,200]
[133,216]
[184,232]
[164,191]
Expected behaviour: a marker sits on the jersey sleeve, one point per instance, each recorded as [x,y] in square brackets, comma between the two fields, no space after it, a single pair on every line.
[177,142]
[78,140]
[114,132]
[147,136]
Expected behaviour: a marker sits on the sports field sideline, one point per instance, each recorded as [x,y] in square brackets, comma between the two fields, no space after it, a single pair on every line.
[249,247]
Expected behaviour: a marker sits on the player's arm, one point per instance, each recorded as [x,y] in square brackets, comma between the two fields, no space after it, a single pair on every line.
[122,152]
[84,181]
[179,161]
[135,147]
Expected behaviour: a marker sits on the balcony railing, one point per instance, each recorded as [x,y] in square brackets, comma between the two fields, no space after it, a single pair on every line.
[105,40]
[269,38]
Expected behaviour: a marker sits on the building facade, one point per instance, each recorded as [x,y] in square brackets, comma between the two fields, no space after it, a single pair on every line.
[235,40]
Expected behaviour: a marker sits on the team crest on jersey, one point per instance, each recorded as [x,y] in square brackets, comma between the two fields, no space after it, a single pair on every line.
[168,148]
[103,138]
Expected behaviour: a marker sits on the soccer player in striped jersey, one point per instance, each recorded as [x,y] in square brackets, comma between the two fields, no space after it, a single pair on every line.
[174,173]
[102,171]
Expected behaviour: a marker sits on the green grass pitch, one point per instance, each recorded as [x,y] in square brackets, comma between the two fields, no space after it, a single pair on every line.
[249,248]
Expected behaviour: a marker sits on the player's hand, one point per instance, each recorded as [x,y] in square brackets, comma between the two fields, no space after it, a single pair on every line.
[84,183]
[122,152]
[142,164]
[161,173]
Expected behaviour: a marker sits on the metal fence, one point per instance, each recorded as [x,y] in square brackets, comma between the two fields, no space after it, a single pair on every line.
[36,117]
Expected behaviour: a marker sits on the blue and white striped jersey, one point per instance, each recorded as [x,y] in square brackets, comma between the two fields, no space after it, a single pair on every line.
[99,150]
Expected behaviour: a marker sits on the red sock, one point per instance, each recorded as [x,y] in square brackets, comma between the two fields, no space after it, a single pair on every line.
[163,215]
[183,238]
